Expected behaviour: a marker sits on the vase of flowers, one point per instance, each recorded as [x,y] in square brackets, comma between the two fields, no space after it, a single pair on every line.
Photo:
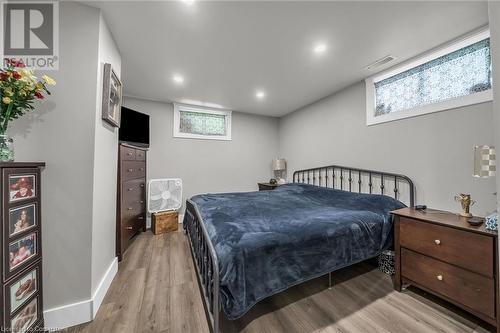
[19,89]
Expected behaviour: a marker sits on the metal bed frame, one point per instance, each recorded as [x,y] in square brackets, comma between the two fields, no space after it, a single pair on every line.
[333,176]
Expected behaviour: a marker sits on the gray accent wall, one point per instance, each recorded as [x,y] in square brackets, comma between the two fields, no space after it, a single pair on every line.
[210,165]
[80,151]
[435,150]
[61,133]
[105,166]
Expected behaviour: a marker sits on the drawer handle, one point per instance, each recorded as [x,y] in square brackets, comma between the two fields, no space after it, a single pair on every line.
[130,170]
[141,217]
[141,201]
[439,277]
[142,185]
[130,208]
[437,241]
[142,169]
[128,228]
[129,154]
[129,189]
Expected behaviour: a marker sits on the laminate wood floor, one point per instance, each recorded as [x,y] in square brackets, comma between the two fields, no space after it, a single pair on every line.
[156,290]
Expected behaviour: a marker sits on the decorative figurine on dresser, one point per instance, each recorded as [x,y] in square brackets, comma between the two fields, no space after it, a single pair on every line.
[21,307]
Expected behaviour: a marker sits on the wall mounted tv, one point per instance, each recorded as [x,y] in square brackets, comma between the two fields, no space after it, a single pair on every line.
[134,128]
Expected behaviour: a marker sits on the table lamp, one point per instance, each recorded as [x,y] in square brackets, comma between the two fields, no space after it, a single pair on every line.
[279,166]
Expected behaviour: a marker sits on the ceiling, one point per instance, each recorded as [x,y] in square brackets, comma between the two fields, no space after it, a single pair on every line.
[227,51]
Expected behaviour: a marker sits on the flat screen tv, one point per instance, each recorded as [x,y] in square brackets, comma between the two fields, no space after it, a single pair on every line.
[134,128]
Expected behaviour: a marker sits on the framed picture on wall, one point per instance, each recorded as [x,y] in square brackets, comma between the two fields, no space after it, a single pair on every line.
[111,96]
[22,218]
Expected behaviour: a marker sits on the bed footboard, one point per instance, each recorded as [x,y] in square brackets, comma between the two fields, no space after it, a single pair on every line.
[205,263]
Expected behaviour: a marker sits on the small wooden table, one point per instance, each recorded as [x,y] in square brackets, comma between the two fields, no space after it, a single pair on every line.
[441,253]
[267,186]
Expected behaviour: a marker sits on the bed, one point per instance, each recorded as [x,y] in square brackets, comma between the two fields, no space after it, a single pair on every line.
[249,246]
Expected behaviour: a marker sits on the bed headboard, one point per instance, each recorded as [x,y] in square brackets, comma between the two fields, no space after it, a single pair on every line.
[359,180]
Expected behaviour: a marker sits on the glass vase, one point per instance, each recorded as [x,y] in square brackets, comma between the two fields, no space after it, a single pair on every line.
[6,148]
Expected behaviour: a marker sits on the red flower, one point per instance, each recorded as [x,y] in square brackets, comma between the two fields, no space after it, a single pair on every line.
[4,76]
[38,95]
[16,75]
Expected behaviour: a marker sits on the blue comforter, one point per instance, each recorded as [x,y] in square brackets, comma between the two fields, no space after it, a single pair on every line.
[269,241]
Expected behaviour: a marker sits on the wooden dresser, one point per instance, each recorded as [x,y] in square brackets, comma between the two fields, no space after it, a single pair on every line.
[267,186]
[21,297]
[440,252]
[131,202]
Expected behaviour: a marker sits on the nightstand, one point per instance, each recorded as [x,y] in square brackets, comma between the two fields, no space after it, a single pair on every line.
[267,186]
[441,253]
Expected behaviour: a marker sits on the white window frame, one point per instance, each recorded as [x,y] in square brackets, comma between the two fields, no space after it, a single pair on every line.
[476,98]
[200,109]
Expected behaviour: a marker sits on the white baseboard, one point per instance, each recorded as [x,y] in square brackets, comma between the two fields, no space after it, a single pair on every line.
[181,218]
[103,286]
[84,311]
[68,315]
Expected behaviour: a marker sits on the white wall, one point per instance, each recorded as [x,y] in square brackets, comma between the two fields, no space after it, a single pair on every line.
[210,165]
[434,150]
[105,167]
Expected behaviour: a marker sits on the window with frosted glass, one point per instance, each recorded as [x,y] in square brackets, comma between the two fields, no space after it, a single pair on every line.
[202,123]
[460,73]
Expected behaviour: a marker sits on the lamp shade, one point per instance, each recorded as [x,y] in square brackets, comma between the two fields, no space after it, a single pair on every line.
[484,161]
[279,164]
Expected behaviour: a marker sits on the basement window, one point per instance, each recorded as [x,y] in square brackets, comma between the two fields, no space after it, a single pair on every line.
[453,76]
[198,122]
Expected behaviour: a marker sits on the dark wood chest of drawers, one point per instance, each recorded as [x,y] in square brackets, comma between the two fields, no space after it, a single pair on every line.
[267,186]
[21,296]
[131,202]
[441,253]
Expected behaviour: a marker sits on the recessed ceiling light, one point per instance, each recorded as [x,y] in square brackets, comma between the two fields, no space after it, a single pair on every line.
[260,94]
[188,2]
[320,48]
[178,79]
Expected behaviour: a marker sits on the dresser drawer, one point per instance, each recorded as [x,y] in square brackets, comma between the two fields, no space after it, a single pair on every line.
[127,153]
[133,191]
[132,224]
[448,244]
[462,286]
[140,155]
[133,170]
[133,209]
[133,187]
[135,205]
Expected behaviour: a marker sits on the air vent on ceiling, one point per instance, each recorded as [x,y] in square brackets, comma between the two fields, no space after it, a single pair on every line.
[380,62]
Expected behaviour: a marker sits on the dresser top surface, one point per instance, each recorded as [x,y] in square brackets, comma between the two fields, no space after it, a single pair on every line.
[21,164]
[444,218]
[124,144]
